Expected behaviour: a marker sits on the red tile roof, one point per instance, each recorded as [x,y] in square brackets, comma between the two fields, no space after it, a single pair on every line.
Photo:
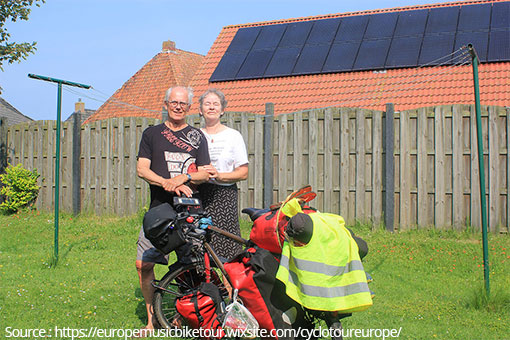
[407,88]
[142,95]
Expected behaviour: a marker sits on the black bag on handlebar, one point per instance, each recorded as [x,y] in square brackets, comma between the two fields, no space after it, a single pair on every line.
[159,228]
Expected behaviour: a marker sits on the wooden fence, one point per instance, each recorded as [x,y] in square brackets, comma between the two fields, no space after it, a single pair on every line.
[106,163]
[339,151]
[437,172]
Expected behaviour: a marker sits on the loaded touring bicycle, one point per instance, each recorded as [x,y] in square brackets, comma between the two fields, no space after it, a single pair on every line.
[199,287]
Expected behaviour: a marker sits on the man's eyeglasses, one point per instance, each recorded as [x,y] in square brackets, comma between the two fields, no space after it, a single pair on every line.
[174,104]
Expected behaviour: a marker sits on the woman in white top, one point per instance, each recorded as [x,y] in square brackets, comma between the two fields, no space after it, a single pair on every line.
[229,164]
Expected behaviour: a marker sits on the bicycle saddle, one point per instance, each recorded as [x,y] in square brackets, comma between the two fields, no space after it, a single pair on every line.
[254,213]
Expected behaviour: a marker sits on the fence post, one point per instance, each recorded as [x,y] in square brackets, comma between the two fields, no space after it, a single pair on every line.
[3,144]
[76,175]
[3,148]
[268,155]
[388,137]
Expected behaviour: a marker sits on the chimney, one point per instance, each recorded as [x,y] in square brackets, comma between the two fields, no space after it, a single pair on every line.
[79,106]
[168,45]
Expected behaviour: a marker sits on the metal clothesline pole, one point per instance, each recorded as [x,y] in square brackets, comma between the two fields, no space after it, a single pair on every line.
[60,82]
[483,202]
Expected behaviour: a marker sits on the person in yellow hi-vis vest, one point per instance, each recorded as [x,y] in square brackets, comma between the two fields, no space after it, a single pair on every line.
[320,266]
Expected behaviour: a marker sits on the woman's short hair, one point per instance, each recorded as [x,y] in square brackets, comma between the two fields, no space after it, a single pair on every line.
[217,92]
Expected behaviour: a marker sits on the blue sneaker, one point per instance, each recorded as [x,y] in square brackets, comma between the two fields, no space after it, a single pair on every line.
[369,277]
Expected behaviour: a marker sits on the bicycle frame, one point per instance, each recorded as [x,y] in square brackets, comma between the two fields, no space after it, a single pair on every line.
[215,257]
[209,251]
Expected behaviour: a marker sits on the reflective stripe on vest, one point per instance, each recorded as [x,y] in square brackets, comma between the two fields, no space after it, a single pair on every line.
[328,292]
[322,268]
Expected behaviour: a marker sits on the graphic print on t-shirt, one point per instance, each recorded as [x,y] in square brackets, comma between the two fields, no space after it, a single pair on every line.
[179,163]
[193,137]
[189,142]
[221,151]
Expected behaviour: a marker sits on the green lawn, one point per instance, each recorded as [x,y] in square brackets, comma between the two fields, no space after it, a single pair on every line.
[428,284]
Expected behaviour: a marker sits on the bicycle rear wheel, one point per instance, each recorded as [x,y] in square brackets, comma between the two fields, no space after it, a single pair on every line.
[335,328]
[328,320]
[177,283]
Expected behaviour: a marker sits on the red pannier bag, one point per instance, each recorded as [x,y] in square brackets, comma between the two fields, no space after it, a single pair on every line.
[203,308]
[264,230]
[253,273]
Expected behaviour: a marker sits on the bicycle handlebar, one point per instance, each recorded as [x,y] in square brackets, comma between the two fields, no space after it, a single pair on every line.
[199,214]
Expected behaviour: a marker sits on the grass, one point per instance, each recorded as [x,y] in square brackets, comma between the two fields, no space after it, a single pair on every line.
[429,283]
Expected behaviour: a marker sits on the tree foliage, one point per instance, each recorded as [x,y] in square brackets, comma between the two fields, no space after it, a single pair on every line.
[13,10]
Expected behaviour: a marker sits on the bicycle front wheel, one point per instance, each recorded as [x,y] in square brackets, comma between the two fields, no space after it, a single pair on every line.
[181,281]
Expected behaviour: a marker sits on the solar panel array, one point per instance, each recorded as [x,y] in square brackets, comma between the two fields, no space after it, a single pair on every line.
[367,42]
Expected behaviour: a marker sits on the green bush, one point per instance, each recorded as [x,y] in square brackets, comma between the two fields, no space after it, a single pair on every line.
[19,188]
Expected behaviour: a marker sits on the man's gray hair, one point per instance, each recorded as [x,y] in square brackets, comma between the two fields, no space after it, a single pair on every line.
[187,88]
[217,92]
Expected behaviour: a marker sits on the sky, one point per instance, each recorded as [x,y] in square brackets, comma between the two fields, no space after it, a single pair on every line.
[103,43]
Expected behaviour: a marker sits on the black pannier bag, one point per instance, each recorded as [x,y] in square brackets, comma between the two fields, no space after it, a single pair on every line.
[159,228]
[253,273]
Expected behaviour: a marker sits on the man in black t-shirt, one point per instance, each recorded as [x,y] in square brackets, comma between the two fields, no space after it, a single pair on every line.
[168,159]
